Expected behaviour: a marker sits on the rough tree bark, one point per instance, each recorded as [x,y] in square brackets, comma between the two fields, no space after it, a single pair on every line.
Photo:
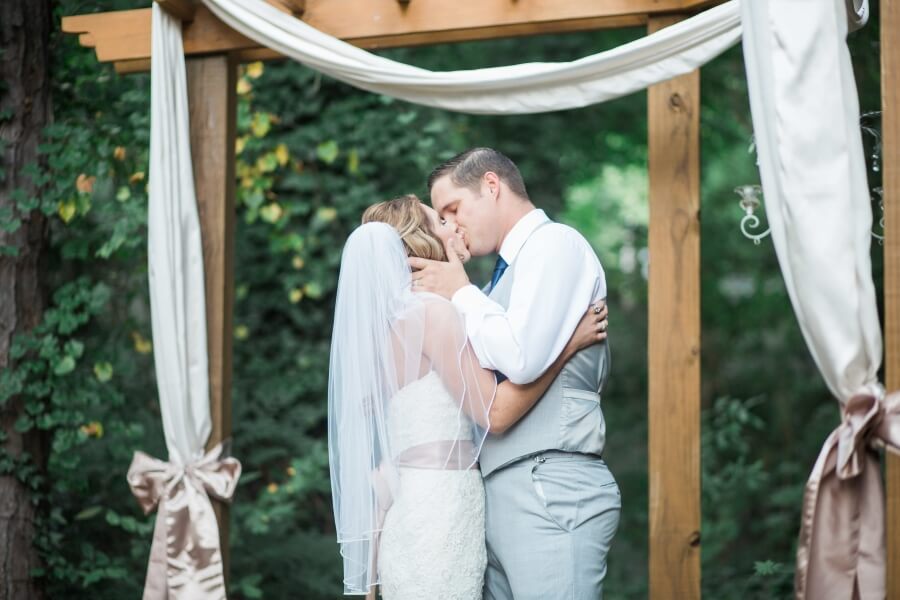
[24,111]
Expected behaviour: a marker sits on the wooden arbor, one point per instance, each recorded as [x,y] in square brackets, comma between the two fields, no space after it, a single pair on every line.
[213,50]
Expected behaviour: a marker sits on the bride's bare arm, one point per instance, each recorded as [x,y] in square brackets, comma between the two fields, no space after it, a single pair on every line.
[450,355]
[455,362]
[513,401]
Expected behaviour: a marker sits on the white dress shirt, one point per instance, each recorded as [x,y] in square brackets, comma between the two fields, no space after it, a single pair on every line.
[557,276]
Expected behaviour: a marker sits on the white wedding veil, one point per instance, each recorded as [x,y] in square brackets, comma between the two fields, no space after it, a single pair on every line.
[385,338]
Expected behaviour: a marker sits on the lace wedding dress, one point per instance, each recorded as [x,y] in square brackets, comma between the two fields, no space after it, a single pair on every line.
[432,544]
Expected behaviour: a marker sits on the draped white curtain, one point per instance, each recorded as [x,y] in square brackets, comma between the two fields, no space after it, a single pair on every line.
[806,120]
[185,555]
[175,253]
[806,124]
[524,88]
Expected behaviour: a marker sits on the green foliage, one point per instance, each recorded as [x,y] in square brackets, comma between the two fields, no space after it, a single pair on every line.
[743,496]
[77,379]
[311,154]
[62,397]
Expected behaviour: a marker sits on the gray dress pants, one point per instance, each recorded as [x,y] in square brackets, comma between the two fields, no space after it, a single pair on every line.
[550,520]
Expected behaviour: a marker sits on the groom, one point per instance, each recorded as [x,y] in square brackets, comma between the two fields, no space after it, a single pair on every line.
[552,505]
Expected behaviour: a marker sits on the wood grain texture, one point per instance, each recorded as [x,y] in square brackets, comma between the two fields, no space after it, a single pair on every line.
[26,103]
[890,130]
[125,35]
[245,55]
[211,91]
[295,7]
[674,334]
[180,9]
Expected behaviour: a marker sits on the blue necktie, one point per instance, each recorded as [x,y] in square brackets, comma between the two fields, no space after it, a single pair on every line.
[498,271]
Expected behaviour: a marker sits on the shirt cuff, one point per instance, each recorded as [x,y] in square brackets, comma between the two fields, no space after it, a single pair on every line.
[468,298]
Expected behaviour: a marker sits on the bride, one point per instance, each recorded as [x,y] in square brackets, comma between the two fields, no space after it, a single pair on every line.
[408,410]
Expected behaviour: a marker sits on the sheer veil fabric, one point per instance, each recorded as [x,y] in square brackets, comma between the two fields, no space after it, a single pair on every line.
[387,337]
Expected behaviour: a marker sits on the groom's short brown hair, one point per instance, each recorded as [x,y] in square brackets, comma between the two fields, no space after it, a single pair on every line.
[467,168]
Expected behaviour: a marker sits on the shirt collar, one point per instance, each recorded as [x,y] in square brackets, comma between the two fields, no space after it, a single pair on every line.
[520,232]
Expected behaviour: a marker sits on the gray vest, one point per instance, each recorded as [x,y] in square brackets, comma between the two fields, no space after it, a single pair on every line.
[567,417]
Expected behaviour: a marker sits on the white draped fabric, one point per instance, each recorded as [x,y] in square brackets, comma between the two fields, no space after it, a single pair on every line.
[516,89]
[175,253]
[185,555]
[806,119]
[806,123]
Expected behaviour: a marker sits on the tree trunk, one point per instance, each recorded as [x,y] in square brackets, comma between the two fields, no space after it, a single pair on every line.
[24,111]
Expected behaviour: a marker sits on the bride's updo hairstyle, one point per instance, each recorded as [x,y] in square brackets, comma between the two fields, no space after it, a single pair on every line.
[408,217]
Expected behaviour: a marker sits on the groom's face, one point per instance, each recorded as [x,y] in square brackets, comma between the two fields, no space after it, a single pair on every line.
[472,211]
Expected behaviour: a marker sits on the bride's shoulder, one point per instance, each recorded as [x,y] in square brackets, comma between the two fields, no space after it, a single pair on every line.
[430,299]
[439,309]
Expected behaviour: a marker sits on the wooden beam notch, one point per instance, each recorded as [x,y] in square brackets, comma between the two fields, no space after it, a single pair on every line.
[293,7]
[180,9]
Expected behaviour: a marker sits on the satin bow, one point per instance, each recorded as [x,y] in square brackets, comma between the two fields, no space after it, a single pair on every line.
[841,551]
[185,556]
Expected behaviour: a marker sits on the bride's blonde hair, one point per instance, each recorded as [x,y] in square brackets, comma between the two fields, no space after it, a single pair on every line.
[407,215]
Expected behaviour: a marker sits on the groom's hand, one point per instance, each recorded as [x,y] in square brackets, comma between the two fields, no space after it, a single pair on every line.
[442,278]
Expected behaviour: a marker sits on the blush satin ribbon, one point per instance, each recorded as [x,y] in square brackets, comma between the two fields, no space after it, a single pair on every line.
[185,556]
[841,551]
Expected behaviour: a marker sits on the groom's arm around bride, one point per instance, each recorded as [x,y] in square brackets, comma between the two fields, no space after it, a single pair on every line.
[552,506]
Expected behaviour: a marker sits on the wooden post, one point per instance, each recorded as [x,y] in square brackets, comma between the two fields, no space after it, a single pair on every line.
[890,131]
[211,83]
[674,333]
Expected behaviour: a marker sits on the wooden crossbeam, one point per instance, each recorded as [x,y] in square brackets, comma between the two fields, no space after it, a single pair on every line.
[256,53]
[123,37]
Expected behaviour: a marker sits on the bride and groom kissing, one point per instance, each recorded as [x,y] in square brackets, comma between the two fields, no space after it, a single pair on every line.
[465,428]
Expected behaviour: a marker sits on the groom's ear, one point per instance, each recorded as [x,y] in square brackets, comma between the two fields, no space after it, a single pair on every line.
[491,181]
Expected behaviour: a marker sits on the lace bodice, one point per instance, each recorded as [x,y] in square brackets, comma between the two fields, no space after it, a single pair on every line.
[423,411]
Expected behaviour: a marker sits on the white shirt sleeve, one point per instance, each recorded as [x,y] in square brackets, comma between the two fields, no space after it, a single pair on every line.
[557,276]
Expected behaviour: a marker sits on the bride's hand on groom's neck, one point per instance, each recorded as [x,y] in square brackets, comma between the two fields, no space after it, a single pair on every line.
[442,278]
